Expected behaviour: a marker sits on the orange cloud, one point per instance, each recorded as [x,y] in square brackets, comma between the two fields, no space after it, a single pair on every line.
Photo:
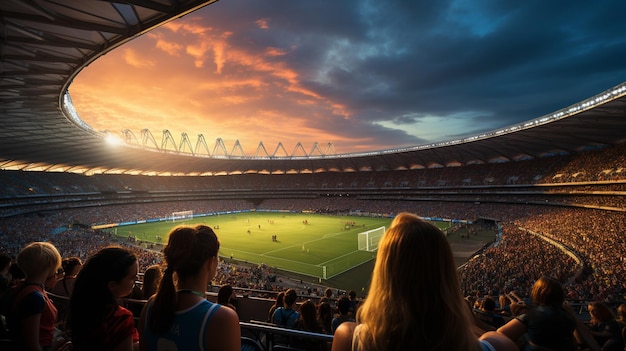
[170,48]
[275,52]
[248,96]
[134,59]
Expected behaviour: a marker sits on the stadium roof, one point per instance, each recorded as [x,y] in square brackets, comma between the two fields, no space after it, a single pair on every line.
[46,43]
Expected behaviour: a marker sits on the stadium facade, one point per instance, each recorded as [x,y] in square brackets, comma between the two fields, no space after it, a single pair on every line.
[46,44]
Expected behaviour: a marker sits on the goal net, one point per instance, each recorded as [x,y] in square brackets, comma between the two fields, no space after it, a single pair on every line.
[368,241]
[181,216]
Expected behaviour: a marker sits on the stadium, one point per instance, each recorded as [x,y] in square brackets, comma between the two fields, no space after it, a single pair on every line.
[552,189]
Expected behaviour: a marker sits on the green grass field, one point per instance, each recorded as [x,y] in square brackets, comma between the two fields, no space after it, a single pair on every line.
[306,243]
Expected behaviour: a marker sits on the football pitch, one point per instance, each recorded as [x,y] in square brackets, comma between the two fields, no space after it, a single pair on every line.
[321,246]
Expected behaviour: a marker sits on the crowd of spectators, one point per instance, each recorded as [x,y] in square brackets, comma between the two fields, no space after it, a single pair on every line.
[602,165]
[585,219]
[596,236]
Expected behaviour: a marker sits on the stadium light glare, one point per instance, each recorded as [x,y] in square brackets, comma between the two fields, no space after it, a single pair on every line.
[112,139]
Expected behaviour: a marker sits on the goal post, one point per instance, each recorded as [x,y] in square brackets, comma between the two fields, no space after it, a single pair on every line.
[368,240]
[181,216]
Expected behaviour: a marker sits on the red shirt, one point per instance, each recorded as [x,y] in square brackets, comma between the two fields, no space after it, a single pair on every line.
[118,326]
[31,299]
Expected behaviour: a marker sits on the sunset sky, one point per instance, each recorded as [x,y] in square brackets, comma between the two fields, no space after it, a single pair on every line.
[362,75]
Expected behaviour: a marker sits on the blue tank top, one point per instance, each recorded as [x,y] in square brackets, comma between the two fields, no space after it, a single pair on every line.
[188,332]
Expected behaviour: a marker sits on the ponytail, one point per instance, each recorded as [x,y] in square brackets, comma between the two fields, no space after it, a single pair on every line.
[164,304]
[187,249]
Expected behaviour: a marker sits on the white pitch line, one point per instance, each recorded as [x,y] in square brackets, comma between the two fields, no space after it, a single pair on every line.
[336,258]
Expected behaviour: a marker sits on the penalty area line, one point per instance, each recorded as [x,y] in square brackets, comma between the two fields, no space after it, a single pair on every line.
[336,258]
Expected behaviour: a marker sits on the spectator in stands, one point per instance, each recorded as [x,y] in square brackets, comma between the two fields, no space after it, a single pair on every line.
[151,279]
[280,300]
[550,323]
[96,320]
[325,314]
[308,321]
[286,315]
[426,310]
[179,315]
[621,319]
[343,307]
[226,296]
[621,315]
[604,327]
[328,296]
[488,313]
[505,304]
[31,314]
[354,303]
[5,277]
[16,274]
[65,285]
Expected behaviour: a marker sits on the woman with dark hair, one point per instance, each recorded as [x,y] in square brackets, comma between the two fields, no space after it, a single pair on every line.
[550,323]
[151,279]
[280,298]
[414,301]
[226,296]
[96,320]
[65,285]
[309,322]
[178,316]
[604,327]
[325,315]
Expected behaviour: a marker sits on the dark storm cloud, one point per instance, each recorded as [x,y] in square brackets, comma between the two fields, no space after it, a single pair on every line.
[398,62]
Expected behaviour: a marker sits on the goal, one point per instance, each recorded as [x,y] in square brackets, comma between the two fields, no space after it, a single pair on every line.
[368,241]
[181,215]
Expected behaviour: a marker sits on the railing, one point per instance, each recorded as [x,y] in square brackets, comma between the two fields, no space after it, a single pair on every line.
[271,337]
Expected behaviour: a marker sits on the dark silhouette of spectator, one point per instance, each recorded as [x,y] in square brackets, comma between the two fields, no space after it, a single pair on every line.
[226,296]
[343,307]
[5,276]
[308,321]
[65,285]
[604,327]
[488,314]
[328,297]
[151,279]
[279,302]
[549,323]
[325,314]
[354,303]
[287,316]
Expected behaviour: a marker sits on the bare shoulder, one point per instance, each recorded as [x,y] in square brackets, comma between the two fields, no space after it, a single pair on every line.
[499,341]
[226,314]
[224,331]
[342,339]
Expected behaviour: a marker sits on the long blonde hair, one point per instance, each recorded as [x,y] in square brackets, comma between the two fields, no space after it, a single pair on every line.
[414,300]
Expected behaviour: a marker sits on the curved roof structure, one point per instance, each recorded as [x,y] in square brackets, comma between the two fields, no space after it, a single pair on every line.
[46,43]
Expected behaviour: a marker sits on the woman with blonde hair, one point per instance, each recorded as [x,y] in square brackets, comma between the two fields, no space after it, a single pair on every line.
[414,301]
[32,315]
[178,316]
